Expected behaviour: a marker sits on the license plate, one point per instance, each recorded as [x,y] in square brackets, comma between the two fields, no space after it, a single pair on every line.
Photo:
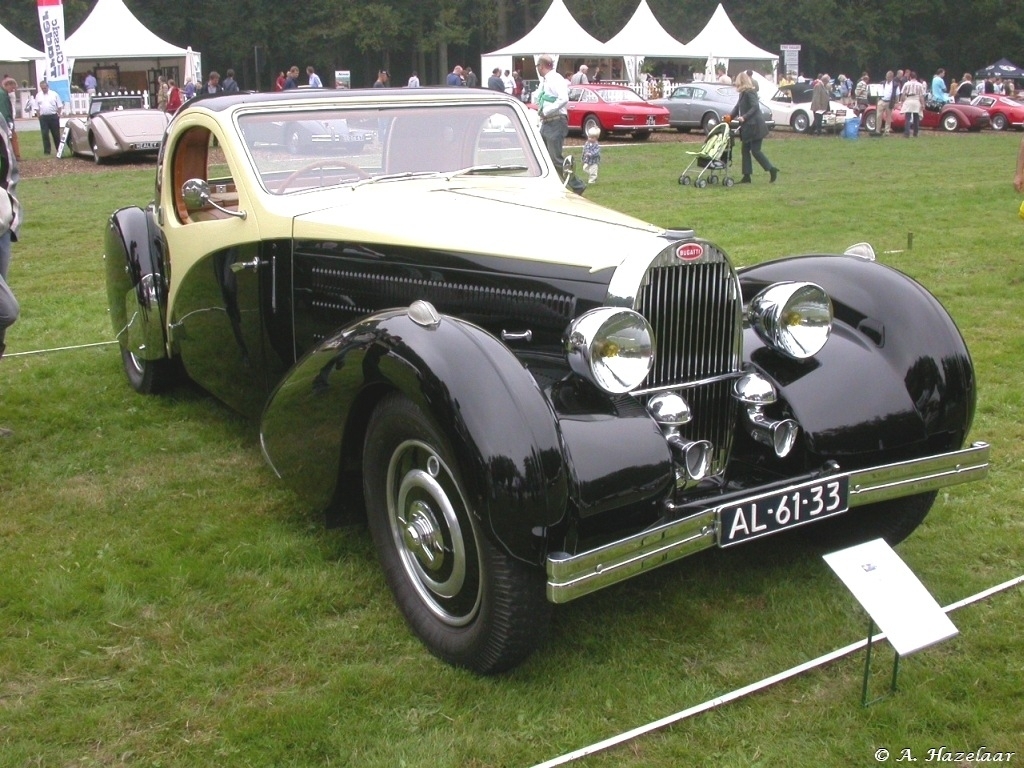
[651,120]
[148,145]
[773,512]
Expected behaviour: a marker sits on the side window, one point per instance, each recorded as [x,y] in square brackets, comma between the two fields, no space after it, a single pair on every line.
[575,93]
[195,158]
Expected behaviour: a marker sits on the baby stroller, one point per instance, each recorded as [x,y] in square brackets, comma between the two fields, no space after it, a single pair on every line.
[714,155]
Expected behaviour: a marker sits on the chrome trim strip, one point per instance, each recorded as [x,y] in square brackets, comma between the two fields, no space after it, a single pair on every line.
[684,385]
[572,576]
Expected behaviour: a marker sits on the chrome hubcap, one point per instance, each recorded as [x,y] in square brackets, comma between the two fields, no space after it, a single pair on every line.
[432,533]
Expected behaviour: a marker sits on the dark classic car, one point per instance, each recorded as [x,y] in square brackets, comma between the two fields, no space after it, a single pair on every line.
[703,105]
[118,125]
[949,117]
[522,423]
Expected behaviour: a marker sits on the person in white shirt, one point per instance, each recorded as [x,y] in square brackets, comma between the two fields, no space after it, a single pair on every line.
[414,80]
[314,78]
[580,78]
[552,97]
[48,106]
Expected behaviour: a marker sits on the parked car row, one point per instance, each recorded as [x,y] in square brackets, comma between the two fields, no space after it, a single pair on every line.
[120,126]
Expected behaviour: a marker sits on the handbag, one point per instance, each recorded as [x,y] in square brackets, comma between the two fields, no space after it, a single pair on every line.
[15,146]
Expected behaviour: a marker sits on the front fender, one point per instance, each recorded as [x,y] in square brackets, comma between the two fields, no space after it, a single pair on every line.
[895,374]
[134,254]
[491,411]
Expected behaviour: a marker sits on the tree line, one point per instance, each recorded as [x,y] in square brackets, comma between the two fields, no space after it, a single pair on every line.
[258,38]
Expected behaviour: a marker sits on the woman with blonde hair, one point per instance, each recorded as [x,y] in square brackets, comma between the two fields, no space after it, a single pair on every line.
[752,128]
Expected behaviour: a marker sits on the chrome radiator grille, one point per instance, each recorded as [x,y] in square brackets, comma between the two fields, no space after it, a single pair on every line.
[695,310]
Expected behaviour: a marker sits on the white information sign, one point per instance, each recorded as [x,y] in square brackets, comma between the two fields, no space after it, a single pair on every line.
[892,595]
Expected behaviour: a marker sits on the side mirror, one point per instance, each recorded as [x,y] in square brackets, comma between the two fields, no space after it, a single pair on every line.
[196,194]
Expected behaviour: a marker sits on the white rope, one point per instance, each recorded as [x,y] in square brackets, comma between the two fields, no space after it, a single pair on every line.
[59,349]
[752,688]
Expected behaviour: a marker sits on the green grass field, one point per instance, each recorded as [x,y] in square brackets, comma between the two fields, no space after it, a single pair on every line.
[165,602]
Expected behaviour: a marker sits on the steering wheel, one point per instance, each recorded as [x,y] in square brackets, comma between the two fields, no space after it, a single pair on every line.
[355,169]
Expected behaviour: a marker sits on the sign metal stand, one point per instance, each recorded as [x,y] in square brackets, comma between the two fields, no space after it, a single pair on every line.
[895,600]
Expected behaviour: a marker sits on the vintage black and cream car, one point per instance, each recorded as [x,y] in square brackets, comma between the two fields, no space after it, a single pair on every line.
[524,412]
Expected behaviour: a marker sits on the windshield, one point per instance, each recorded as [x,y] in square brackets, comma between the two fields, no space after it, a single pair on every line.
[114,103]
[326,147]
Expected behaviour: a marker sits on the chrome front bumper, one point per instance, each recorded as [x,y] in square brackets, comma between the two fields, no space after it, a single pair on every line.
[572,576]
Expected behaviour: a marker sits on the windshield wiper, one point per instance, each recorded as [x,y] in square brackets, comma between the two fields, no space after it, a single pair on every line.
[474,169]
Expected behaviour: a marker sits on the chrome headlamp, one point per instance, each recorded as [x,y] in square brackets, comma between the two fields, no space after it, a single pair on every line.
[793,318]
[613,348]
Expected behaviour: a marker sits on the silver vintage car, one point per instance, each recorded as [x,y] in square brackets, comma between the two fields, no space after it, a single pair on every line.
[703,105]
[117,125]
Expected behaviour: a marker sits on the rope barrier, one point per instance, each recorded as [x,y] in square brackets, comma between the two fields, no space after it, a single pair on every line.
[754,687]
[59,349]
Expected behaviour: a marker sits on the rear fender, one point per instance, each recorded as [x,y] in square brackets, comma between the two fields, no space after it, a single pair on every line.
[895,372]
[135,257]
[106,140]
[497,422]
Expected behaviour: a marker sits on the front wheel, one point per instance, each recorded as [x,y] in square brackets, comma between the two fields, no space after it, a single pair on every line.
[800,122]
[471,604]
[950,122]
[870,122]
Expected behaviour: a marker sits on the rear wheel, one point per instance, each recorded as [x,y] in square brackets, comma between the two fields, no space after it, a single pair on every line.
[950,122]
[470,603]
[870,121]
[642,135]
[999,122]
[891,520]
[148,377]
[710,121]
[94,145]
[591,121]
[800,122]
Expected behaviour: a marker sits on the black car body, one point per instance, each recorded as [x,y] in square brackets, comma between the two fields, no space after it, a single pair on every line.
[524,424]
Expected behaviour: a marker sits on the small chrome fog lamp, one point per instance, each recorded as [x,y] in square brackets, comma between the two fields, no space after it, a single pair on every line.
[671,411]
[611,347]
[755,391]
[793,318]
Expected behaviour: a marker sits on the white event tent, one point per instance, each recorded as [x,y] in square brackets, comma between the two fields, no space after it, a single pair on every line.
[721,44]
[557,33]
[120,48]
[644,37]
[17,59]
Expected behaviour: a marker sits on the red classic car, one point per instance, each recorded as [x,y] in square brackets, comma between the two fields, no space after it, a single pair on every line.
[1004,111]
[613,109]
[948,117]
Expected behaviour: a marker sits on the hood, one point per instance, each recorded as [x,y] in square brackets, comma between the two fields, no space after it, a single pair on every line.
[532,221]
